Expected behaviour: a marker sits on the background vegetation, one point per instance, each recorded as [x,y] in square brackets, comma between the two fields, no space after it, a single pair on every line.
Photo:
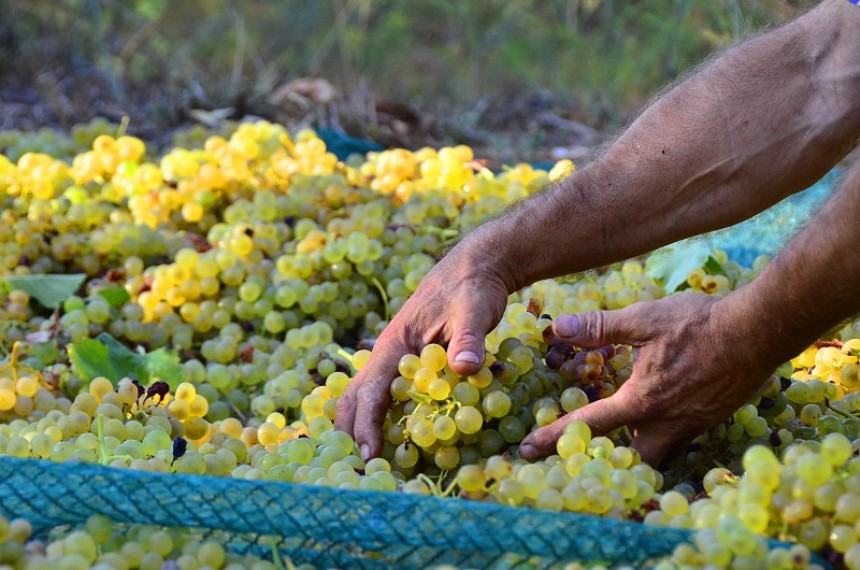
[465,65]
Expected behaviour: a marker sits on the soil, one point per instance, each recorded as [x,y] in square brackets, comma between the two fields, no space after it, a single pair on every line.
[503,129]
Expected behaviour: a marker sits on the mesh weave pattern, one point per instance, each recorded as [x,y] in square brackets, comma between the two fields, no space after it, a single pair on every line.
[767,232]
[325,526]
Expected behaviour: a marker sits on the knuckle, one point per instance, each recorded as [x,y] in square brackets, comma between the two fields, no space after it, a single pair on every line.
[641,401]
[595,325]
[396,337]
[343,404]
[349,392]
[541,437]
[370,391]
[651,405]
[469,338]
[391,332]
[361,392]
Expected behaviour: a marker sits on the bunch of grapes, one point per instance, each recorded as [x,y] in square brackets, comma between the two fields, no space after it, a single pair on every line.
[97,544]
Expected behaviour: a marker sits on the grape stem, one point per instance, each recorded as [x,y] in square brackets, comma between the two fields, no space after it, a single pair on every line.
[277,560]
[435,486]
[123,126]
[449,407]
[346,356]
[423,398]
[15,367]
[237,412]
[285,140]
[384,296]
[843,413]
[104,458]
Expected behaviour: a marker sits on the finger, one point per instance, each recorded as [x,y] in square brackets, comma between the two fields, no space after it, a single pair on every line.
[372,396]
[372,401]
[382,364]
[653,444]
[469,326]
[344,419]
[629,325]
[601,416]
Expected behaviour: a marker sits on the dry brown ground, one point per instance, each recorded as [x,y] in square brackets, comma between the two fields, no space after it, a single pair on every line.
[534,127]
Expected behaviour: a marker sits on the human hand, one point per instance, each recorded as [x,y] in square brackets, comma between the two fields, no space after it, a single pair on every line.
[694,366]
[459,301]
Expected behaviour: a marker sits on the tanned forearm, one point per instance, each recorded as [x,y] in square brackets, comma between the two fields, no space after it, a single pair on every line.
[766,119]
[811,285]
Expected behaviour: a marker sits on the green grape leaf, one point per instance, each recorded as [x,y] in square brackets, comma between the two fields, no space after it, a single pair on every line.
[90,359]
[49,290]
[106,356]
[127,362]
[672,265]
[46,353]
[115,296]
[163,364]
[714,267]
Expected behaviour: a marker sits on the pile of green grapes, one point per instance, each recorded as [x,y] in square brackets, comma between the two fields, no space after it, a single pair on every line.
[264,268]
[96,544]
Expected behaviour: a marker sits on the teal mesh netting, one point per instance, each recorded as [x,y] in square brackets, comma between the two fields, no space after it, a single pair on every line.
[324,526]
[767,232]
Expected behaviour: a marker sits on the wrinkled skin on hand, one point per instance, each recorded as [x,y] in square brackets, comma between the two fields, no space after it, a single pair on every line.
[457,304]
[693,368]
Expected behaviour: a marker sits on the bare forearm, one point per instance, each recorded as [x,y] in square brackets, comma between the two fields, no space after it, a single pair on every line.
[765,120]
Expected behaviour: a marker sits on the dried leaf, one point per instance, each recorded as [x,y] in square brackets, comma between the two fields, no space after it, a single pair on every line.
[535,307]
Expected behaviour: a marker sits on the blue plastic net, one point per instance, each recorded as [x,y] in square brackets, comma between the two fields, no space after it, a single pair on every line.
[767,232]
[343,146]
[325,526]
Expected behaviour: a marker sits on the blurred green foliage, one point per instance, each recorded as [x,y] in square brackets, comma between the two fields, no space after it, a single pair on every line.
[606,56]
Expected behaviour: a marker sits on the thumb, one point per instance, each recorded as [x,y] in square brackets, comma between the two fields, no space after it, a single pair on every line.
[469,328]
[599,328]
[602,417]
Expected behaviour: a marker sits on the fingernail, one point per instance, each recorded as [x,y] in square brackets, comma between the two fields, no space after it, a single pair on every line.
[468,356]
[365,452]
[567,325]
